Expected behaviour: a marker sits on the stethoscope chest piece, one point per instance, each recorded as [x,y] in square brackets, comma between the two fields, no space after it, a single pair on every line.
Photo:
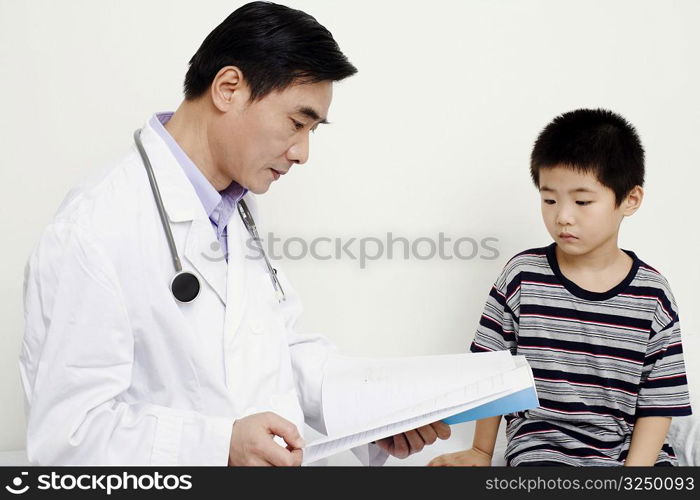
[185,286]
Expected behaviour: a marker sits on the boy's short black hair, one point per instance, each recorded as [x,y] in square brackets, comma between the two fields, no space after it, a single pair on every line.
[592,140]
[273,45]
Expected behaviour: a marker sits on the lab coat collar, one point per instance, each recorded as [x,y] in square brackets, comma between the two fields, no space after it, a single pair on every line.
[182,205]
[179,197]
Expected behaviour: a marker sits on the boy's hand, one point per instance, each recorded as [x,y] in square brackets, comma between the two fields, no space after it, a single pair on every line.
[472,457]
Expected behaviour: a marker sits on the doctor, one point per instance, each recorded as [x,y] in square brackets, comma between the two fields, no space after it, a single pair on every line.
[121,364]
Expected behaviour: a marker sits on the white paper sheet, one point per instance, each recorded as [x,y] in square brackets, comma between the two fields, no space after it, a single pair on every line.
[511,375]
[358,391]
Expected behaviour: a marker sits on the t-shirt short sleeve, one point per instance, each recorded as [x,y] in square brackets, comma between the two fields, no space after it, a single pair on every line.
[664,387]
[498,326]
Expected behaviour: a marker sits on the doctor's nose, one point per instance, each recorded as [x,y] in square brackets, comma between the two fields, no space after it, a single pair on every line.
[299,151]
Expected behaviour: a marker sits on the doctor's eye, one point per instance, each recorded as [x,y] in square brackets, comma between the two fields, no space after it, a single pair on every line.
[297,125]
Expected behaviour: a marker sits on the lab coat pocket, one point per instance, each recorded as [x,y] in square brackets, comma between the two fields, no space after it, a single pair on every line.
[267,319]
[266,323]
[256,326]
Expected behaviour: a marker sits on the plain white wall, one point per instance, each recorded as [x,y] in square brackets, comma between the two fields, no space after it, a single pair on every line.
[433,135]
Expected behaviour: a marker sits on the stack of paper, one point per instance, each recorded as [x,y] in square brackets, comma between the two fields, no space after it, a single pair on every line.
[369,399]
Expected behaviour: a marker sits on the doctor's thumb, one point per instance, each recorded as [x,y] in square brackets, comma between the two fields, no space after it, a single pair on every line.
[286,430]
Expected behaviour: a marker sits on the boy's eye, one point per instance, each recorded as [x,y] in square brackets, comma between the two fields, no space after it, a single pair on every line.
[583,203]
[549,202]
[297,125]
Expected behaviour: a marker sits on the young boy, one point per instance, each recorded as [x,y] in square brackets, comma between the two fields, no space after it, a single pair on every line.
[598,326]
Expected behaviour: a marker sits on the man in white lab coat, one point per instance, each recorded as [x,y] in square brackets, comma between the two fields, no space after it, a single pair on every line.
[115,369]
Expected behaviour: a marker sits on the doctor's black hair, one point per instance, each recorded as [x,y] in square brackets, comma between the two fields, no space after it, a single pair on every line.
[273,45]
[592,140]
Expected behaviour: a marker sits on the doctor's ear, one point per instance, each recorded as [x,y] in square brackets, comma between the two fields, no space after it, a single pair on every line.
[228,87]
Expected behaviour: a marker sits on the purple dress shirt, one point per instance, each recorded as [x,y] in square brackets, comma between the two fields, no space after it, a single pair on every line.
[219,206]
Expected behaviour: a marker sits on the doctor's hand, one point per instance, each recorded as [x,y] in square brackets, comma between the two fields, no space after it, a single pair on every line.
[252,441]
[410,442]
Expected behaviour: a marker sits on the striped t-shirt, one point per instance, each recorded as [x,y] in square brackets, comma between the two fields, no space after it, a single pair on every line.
[600,360]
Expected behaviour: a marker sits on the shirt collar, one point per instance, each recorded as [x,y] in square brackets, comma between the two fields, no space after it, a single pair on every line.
[207,194]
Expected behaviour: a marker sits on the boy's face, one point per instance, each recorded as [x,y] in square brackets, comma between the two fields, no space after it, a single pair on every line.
[579,212]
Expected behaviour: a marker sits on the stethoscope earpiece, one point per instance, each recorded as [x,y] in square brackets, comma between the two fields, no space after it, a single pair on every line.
[185,286]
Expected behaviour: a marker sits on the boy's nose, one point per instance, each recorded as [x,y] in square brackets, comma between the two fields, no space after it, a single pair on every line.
[564,218]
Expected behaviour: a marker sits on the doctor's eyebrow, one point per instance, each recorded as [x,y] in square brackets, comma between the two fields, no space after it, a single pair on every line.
[311,113]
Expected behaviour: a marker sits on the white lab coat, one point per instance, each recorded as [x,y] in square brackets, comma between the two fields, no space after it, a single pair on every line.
[115,370]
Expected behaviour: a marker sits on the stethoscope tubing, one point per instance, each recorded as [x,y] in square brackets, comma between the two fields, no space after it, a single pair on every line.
[159,201]
[243,211]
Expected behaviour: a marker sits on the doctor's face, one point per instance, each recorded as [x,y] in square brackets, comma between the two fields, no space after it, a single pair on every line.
[255,143]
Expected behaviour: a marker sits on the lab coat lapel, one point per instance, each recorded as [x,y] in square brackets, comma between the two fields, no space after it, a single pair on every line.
[202,251]
[183,206]
[237,274]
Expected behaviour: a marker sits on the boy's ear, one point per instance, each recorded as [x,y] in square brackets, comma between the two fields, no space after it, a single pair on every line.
[632,201]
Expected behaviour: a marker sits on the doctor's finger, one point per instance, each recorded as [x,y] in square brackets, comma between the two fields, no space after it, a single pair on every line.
[400,447]
[257,462]
[297,457]
[386,444]
[280,457]
[428,434]
[415,441]
[286,430]
[442,429]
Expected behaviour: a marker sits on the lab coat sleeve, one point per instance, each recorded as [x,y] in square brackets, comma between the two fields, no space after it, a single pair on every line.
[76,362]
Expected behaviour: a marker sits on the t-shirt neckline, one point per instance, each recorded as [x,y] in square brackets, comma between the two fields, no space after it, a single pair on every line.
[582,293]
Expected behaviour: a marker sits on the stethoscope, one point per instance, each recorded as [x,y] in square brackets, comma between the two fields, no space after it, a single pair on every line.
[185,285]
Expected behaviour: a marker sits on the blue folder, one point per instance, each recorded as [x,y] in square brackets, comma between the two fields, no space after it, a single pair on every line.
[518,401]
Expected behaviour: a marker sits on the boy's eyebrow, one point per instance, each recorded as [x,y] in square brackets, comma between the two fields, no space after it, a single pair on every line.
[577,190]
[311,113]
